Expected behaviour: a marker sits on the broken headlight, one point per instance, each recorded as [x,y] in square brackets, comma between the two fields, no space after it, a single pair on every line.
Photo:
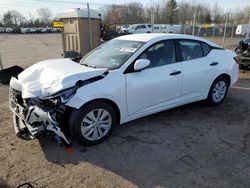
[64,95]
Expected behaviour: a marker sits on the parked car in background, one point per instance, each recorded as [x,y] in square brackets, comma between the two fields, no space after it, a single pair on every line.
[123,29]
[159,28]
[25,30]
[138,28]
[243,52]
[242,30]
[127,30]
[2,30]
[124,79]
[176,29]
[16,30]
[8,30]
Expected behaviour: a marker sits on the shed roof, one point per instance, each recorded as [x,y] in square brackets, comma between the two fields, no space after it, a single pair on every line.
[80,13]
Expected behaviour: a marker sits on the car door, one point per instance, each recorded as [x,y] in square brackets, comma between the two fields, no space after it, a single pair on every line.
[157,85]
[197,66]
[137,29]
[143,29]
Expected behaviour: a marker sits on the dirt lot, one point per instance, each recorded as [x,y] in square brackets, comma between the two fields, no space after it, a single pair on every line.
[190,146]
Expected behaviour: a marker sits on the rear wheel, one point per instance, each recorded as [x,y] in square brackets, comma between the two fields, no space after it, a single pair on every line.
[218,91]
[93,123]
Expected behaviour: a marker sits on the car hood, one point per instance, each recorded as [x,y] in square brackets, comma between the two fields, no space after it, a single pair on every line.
[48,77]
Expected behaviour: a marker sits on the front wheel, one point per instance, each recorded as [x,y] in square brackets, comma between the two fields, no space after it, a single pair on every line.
[218,91]
[93,123]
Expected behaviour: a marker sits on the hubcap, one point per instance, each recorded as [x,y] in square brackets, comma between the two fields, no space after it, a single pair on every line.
[96,124]
[219,91]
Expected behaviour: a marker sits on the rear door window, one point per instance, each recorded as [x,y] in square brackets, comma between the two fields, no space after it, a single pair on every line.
[206,48]
[190,49]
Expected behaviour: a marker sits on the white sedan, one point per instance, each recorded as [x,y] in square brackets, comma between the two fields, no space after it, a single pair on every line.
[124,79]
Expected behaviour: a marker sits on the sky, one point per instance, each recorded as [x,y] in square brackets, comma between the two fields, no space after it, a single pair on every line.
[28,8]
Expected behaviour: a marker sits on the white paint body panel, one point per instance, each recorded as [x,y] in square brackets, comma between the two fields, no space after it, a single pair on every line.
[151,87]
[48,77]
[141,93]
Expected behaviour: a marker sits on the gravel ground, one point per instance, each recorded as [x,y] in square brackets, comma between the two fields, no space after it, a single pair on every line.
[190,146]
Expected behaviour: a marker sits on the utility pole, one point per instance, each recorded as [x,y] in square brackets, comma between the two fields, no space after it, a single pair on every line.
[152,16]
[225,30]
[232,34]
[90,30]
[194,20]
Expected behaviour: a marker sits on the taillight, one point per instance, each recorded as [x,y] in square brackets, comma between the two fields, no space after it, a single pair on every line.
[237,59]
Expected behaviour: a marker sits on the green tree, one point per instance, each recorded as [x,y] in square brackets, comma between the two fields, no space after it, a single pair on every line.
[172,12]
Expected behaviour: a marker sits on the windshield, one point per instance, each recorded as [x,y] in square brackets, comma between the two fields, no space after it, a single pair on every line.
[112,54]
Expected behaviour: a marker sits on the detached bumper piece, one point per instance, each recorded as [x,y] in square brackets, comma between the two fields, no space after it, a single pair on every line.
[32,121]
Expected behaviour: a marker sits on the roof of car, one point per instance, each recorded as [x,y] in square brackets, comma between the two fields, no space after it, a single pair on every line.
[146,37]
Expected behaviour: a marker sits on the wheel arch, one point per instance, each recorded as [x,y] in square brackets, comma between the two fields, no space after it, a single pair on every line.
[225,75]
[108,101]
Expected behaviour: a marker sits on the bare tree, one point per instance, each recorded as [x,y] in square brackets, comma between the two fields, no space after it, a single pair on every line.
[17,17]
[217,14]
[185,12]
[13,18]
[124,14]
[45,14]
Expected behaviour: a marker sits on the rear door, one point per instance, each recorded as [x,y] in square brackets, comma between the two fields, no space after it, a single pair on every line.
[198,68]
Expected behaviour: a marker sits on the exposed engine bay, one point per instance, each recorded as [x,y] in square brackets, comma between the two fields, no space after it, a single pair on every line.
[34,117]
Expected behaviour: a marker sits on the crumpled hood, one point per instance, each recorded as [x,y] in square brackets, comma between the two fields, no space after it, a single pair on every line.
[48,77]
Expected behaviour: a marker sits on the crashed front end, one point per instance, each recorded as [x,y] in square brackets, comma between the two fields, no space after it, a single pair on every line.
[39,96]
[35,117]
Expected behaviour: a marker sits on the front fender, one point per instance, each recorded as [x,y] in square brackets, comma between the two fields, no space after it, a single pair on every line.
[112,88]
[77,102]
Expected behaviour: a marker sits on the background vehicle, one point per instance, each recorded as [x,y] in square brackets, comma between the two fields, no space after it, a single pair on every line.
[172,29]
[108,32]
[2,30]
[243,52]
[159,28]
[138,28]
[150,75]
[243,29]
[9,30]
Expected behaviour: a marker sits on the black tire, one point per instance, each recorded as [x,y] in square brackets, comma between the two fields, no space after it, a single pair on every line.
[77,116]
[210,99]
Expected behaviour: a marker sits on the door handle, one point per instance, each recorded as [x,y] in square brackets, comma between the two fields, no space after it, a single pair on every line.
[175,73]
[214,63]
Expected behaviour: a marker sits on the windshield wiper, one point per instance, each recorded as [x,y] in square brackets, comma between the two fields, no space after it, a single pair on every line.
[88,65]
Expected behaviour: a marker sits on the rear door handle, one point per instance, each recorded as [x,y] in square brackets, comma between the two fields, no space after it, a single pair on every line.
[175,73]
[214,63]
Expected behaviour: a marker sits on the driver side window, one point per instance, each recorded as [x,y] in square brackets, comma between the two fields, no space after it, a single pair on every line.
[161,53]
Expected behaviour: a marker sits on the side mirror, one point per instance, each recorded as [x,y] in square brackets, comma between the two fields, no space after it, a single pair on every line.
[141,64]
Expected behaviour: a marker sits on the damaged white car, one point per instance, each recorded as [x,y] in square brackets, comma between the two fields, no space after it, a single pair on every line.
[124,79]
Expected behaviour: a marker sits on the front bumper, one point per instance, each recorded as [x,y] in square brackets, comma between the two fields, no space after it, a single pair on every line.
[32,121]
